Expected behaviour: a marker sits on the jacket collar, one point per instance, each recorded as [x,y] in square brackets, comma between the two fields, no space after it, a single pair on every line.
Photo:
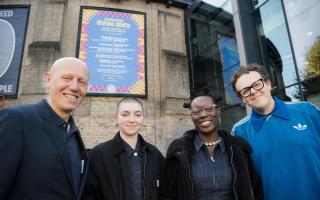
[198,143]
[186,142]
[47,112]
[280,110]
[119,144]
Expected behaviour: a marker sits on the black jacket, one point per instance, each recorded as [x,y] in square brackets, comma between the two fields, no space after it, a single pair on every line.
[177,181]
[34,159]
[108,177]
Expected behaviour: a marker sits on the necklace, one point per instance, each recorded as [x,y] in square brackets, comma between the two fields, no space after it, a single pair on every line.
[212,143]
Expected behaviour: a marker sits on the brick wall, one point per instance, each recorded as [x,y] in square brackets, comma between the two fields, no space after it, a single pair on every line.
[52,33]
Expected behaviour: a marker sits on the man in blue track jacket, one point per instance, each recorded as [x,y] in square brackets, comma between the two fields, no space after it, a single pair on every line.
[285,137]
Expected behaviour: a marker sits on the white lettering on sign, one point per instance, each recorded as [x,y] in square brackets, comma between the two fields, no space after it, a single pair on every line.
[6,88]
[6,13]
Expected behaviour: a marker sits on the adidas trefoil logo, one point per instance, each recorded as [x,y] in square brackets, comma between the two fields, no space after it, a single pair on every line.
[300,127]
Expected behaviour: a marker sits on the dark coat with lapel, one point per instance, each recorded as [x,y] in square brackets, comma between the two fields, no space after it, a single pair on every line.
[177,182]
[108,177]
[34,159]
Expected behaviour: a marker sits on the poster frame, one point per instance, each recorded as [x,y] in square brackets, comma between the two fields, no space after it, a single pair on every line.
[21,56]
[117,94]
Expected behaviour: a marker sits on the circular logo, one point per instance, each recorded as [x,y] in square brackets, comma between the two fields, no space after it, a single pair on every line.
[7,45]
[111,88]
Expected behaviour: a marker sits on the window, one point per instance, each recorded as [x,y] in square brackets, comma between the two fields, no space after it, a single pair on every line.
[213,55]
[303,19]
[276,50]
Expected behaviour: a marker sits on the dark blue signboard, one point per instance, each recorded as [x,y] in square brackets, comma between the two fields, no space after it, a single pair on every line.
[13,26]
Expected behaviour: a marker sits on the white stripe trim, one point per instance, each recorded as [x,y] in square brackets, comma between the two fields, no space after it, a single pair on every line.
[241,121]
[304,102]
[299,102]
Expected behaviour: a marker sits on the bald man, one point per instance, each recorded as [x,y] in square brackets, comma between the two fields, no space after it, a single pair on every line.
[41,150]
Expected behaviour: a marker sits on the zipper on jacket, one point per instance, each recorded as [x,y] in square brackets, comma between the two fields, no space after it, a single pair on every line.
[235,174]
[144,174]
[249,179]
[189,173]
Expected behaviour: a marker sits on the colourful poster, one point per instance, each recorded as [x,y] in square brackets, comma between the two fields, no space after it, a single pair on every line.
[112,43]
[13,28]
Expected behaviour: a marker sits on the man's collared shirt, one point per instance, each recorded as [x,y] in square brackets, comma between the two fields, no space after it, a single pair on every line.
[212,177]
[135,162]
[74,152]
[72,144]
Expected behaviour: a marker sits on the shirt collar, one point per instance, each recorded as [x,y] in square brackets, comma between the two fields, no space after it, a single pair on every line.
[130,150]
[72,123]
[280,110]
[198,143]
[119,144]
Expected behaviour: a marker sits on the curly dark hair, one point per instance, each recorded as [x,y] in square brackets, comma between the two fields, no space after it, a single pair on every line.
[246,70]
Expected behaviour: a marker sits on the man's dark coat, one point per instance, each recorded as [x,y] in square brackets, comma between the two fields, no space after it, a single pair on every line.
[34,161]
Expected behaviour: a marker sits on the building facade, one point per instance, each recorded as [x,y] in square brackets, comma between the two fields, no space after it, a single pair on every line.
[281,35]
[189,44]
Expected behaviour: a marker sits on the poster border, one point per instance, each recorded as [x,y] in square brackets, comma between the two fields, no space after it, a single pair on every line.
[15,95]
[145,95]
